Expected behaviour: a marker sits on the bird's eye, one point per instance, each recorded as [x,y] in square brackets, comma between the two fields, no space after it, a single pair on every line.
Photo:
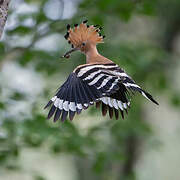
[83,44]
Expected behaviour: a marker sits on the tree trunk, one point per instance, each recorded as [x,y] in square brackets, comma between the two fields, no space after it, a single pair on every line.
[3,14]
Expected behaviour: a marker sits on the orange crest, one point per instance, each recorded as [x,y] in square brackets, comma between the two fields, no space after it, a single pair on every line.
[83,33]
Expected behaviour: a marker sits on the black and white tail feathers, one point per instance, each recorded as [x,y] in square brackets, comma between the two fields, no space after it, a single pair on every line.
[104,84]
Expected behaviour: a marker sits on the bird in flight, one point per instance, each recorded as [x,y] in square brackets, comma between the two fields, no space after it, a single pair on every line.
[100,81]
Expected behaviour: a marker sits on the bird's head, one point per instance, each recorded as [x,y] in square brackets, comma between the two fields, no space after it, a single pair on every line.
[83,37]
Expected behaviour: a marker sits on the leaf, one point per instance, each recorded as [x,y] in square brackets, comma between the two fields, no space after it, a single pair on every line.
[17,96]
[20,30]
[100,161]
[175,100]
[2,49]
[2,105]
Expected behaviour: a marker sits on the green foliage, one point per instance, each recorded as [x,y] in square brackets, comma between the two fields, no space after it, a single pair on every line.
[20,30]
[123,9]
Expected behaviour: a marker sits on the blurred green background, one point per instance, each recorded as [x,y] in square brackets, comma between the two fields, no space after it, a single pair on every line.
[142,37]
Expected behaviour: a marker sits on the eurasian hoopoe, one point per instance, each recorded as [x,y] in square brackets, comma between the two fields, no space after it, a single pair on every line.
[98,81]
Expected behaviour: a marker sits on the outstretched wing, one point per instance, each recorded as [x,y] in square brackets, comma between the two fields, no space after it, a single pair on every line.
[130,84]
[86,85]
[73,96]
[105,84]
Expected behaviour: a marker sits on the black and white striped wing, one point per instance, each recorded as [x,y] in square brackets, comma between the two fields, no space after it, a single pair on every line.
[115,85]
[106,78]
[105,84]
[73,96]
[86,85]
[130,84]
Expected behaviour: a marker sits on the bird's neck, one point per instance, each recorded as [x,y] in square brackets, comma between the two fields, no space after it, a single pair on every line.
[92,56]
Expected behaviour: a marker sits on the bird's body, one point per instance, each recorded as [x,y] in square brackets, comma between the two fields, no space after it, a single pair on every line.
[98,81]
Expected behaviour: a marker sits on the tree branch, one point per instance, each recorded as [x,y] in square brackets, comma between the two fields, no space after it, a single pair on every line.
[3,14]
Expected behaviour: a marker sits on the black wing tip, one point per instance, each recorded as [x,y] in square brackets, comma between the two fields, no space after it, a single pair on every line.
[116,112]
[51,112]
[122,114]
[110,112]
[151,98]
[156,102]
[57,115]
[48,104]
[71,115]
[64,115]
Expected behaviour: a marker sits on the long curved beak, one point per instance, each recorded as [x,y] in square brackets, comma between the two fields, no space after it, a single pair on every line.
[67,54]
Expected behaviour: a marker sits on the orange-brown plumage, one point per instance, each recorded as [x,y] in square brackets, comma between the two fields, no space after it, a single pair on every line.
[83,33]
[85,38]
